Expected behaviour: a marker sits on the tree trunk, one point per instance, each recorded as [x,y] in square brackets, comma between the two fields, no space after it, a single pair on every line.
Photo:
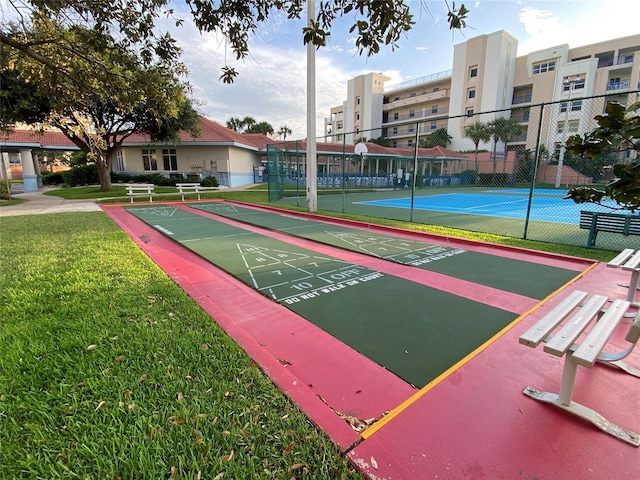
[104,174]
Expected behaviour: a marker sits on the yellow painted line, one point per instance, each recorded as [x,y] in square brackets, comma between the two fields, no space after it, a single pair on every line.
[411,400]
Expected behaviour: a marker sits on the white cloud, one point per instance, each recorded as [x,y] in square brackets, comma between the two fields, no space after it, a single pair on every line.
[543,29]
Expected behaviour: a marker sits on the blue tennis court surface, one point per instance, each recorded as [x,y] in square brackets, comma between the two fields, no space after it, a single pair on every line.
[547,205]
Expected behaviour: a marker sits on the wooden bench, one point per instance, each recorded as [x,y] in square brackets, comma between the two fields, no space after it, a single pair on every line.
[185,188]
[140,189]
[629,259]
[576,314]
[608,222]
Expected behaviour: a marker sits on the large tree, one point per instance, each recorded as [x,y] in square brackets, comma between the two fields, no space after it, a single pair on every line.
[618,132]
[98,91]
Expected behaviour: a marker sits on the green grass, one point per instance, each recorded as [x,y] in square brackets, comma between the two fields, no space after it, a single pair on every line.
[258,194]
[13,201]
[109,370]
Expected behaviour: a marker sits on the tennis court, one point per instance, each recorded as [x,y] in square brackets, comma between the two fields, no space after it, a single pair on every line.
[546,206]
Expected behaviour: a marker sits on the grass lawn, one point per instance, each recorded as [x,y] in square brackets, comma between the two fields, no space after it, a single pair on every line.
[109,370]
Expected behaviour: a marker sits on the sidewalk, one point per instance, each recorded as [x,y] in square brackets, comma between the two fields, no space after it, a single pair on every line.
[38,202]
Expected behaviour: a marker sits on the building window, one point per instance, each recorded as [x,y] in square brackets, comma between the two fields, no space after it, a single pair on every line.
[576,106]
[410,143]
[395,130]
[118,162]
[149,160]
[357,130]
[469,112]
[576,84]
[471,93]
[357,116]
[413,94]
[357,100]
[433,126]
[434,109]
[339,126]
[411,128]
[395,116]
[557,149]
[412,113]
[473,72]
[169,159]
[394,144]
[571,124]
[544,67]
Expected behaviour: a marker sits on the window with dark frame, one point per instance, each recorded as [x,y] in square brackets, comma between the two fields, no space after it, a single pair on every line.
[149,160]
[170,159]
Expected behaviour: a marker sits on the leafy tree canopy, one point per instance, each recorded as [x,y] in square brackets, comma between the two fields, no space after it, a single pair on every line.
[439,138]
[133,22]
[618,132]
[98,92]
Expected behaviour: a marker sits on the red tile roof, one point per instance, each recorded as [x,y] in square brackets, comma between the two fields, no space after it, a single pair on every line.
[211,132]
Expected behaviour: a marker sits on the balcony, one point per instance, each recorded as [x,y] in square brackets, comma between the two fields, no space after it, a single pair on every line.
[419,81]
[621,85]
[526,98]
[609,61]
[416,116]
[416,99]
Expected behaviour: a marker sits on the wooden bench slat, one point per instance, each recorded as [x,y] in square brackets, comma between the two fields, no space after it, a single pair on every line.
[538,332]
[587,353]
[620,258]
[566,336]
[633,262]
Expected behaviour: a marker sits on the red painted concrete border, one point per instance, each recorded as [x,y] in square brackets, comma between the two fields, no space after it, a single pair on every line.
[474,424]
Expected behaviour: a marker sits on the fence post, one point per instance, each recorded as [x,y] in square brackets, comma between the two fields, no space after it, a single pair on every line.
[533,173]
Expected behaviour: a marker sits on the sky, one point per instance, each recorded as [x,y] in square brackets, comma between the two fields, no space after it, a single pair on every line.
[271,85]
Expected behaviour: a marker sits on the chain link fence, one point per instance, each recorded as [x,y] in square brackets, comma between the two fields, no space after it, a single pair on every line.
[503,172]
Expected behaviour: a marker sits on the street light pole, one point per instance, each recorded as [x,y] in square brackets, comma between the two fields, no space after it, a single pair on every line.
[571,84]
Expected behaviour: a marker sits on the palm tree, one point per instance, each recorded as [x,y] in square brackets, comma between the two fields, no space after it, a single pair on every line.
[503,129]
[439,138]
[248,122]
[234,123]
[262,127]
[284,131]
[478,132]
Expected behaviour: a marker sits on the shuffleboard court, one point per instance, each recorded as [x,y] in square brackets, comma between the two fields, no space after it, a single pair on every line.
[511,275]
[415,331]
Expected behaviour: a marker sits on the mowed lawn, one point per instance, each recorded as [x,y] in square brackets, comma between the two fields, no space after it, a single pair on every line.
[109,370]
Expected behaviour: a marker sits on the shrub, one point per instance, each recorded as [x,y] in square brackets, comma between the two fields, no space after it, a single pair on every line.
[209,181]
[82,175]
[52,178]
[5,190]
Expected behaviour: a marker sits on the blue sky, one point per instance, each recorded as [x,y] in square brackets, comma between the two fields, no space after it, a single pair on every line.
[272,82]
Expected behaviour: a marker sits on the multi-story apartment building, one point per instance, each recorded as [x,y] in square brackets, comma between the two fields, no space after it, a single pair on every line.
[488,76]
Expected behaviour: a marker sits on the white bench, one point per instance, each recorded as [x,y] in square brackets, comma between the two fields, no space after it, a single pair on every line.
[140,189]
[583,314]
[629,259]
[185,188]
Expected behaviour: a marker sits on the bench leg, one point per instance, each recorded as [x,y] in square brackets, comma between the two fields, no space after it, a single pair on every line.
[593,233]
[587,414]
[633,286]
[563,401]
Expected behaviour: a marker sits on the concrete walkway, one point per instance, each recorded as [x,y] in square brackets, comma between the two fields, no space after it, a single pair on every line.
[37,203]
